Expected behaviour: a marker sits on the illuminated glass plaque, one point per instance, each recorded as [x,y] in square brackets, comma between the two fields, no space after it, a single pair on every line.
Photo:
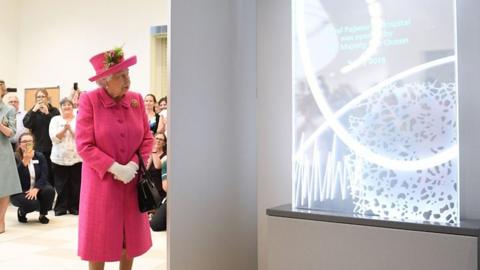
[375,108]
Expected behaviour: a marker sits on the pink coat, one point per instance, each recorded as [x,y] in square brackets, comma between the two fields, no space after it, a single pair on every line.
[109,219]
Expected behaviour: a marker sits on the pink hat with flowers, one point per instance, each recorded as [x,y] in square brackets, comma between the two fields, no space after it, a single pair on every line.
[110,62]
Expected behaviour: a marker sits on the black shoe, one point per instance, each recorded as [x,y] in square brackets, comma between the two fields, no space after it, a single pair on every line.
[73,212]
[43,219]
[60,212]
[22,218]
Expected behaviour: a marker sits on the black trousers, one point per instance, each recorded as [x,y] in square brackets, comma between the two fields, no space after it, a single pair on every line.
[43,203]
[67,184]
[49,164]
[159,219]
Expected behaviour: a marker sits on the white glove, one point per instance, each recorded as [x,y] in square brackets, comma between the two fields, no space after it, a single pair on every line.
[132,165]
[124,173]
[134,168]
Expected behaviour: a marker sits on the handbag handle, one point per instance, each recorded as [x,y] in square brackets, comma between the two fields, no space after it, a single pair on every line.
[142,165]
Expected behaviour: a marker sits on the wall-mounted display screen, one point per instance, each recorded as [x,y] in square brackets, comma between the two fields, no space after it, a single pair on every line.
[375,108]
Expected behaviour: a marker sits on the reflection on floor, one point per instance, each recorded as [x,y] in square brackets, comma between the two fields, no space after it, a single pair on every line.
[35,246]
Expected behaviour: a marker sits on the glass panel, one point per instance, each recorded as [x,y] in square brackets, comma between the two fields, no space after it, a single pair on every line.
[375,108]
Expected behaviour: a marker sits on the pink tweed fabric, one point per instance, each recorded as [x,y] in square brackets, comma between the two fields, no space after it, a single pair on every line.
[109,219]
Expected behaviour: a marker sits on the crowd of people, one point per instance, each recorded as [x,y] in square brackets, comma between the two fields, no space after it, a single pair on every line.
[82,159]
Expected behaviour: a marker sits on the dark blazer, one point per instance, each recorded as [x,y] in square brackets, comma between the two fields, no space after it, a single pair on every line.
[41,172]
[38,123]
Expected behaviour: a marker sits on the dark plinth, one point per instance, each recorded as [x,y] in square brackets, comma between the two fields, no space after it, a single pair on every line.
[465,227]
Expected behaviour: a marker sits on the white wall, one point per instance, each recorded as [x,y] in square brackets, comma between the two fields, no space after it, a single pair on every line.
[468,36]
[8,41]
[244,136]
[212,198]
[274,112]
[57,38]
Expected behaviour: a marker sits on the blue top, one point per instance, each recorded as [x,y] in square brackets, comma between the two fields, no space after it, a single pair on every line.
[9,183]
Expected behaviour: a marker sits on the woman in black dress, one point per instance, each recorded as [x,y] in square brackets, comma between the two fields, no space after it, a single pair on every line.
[154,165]
[157,166]
[38,120]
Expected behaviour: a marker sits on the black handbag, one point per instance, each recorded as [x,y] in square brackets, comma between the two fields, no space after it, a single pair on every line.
[148,195]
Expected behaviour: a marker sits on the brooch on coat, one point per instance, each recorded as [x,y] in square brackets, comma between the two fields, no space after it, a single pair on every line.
[134,103]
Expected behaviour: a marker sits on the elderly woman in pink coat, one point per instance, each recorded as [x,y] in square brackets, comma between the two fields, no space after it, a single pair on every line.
[111,127]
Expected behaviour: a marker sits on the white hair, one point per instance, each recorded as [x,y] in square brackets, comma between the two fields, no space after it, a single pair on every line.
[9,95]
[102,82]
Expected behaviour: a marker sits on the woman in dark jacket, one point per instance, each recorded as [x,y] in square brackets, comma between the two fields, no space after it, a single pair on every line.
[32,168]
[38,120]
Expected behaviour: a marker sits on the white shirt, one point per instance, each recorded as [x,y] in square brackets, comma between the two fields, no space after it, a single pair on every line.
[31,170]
[64,151]
[163,115]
